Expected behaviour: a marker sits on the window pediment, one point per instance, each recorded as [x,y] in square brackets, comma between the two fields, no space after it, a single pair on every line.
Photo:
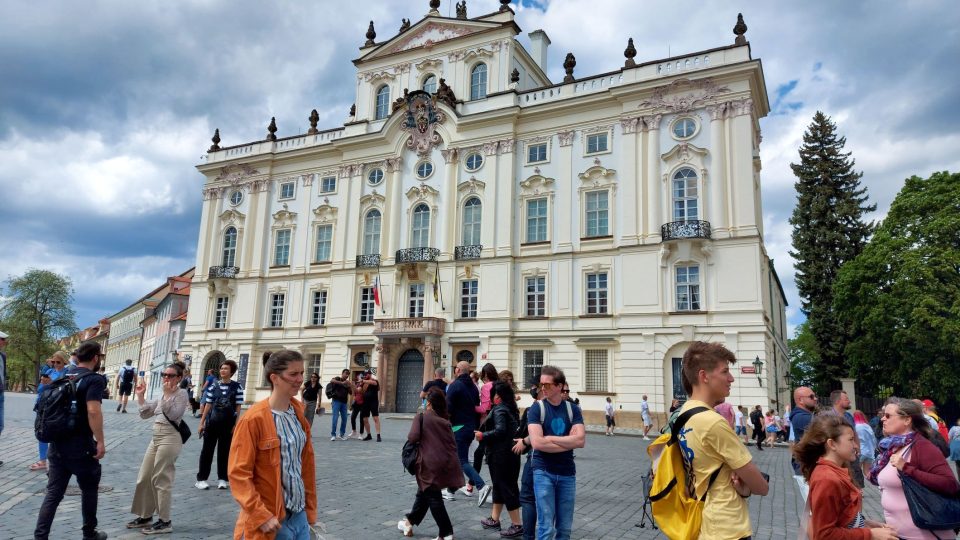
[686,153]
[325,213]
[232,217]
[471,186]
[537,185]
[371,200]
[284,218]
[423,193]
[598,176]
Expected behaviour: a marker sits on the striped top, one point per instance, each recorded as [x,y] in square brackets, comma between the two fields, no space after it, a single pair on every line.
[208,394]
[292,442]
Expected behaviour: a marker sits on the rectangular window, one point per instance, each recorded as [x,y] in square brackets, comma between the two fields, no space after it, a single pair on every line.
[597,293]
[596,143]
[324,242]
[313,365]
[596,370]
[287,190]
[415,309]
[319,317]
[367,305]
[598,213]
[532,364]
[468,298]
[281,248]
[276,310]
[537,220]
[220,312]
[688,288]
[536,153]
[537,296]
[328,184]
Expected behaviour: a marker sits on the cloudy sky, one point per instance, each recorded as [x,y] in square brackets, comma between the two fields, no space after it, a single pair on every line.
[106,106]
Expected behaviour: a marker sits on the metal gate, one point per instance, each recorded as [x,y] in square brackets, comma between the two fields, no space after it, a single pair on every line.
[678,392]
[409,381]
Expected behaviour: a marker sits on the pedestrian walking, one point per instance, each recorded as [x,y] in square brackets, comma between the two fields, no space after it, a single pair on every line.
[341,394]
[556,429]
[154,491]
[739,423]
[221,408]
[868,442]
[310,394]
[437,465]
[835,504]
[771,427]
[610,414]
[56,368]
[756,418]
[502,424]
[78,453]
[370,388]
[356,409]
[645,416]
[3,376]
[272,471]
[437,382]
[907,449]
[488,376]
[187,384]
[126,380]
[463,397]
[528,498]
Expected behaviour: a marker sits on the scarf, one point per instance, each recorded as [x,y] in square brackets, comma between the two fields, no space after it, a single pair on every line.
[889,446]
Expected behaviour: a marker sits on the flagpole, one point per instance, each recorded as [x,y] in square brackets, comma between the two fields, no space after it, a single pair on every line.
[383,310]
[439,288]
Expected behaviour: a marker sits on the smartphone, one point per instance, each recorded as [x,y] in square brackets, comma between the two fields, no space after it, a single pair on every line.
[765,476]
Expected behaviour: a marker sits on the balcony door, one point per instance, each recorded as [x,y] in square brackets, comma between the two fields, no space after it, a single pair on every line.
[409,381]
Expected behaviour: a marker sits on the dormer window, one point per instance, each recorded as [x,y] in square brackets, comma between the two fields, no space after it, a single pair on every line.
[430,84]
[478,81]
[383,102]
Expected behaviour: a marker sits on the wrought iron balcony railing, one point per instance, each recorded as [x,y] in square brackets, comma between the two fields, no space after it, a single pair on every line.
[415,255]
[462,253]
[679,230]
[368,261]
[229,272]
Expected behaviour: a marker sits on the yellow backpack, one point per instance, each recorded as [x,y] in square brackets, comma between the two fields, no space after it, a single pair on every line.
[676,508]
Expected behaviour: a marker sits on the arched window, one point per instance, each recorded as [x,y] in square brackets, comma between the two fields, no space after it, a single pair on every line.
[229,247]
[371,233]
[383,102]
[430,84]
[685,200]
[478,81]
[471,222]
[420,234]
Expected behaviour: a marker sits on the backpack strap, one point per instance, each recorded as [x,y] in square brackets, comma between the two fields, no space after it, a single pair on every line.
[569,413]
[678,426]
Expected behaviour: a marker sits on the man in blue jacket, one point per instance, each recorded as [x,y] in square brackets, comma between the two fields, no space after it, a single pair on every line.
[463,398]
[800,417]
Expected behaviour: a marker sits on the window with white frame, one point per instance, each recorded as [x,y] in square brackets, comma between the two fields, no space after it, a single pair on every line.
[229,247]
[595,369]
[597,293]
[324,242]
[597,218]
[597,143]
[688,287]
[536,153]
[537,220]
[478,81]
[383,103]
[371,233]
[367,305]
[281,247]
[469,292]
[474,161]
[472,210]
[277,301]
[420,232]
[532,365]
[287,190]
[415,300]
[220,312]
[328,184]
[313,365]
[685,201]
[536,296]
[430,84]
[319,315]
[236,197]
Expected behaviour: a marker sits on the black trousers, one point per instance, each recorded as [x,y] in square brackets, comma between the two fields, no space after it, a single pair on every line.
[59,470]
[357,409]
[758,434]
[216,436]
[432,499]
[504,472]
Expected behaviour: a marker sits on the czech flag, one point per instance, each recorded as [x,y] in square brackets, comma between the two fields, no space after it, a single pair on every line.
[376,291]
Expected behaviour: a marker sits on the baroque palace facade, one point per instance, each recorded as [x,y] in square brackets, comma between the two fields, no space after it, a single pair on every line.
[472,209]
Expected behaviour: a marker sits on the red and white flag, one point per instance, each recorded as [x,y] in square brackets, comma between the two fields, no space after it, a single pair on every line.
[376,290]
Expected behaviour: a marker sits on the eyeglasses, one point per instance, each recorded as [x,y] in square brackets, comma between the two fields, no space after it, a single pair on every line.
[546,385]
[888,415]
[168,375]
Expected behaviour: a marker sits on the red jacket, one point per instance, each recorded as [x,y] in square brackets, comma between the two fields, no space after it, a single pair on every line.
[834,502]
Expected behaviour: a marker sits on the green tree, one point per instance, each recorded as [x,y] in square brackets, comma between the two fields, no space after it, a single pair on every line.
[828,231]
[803,356]
[37,312]
[901,296]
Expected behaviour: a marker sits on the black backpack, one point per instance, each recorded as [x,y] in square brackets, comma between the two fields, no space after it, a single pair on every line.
[328,391]
[57,409]
[224,406]
[127,376]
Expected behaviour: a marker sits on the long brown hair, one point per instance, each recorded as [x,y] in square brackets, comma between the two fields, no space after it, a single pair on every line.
[813,445]
[914,410]
[438,401]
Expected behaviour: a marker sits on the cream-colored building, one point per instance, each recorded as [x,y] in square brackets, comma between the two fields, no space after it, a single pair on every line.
[600,223]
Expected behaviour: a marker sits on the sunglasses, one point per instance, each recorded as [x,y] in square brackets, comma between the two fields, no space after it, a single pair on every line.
[546,385]
[888,415]
[565,391]
[168,375]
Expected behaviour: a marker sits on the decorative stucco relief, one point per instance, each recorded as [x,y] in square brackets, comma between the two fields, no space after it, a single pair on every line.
[683,95]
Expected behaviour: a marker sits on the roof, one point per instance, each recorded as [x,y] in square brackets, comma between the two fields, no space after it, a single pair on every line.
[180,317]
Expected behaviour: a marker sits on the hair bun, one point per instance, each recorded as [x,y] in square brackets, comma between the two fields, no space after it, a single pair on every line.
[266,356]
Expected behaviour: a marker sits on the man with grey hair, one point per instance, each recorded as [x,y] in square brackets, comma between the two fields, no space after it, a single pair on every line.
[3,376]
[437,382]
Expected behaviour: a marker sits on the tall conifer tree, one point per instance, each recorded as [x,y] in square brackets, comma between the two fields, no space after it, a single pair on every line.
[828,231]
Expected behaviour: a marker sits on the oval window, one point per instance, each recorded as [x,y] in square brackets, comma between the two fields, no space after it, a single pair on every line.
[236,197]
[375,176]
[684,128]
[424,169]
[474,161]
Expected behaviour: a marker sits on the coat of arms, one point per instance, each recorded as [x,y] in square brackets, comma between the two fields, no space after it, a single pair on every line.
[421,121]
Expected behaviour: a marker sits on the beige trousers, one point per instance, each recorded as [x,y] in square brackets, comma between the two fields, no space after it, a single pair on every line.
[155,482]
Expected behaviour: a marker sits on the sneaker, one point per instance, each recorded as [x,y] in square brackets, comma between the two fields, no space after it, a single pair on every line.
[484,494]
[448,496]
[342,438]
[118,407]
[466,490]
[378,438]
[124,411]
[368,437]
[490,523]
[515,531]
[140,523]
[201,484]
[222,484]
[405,527]
[159,527]
[97,535]
[333,438]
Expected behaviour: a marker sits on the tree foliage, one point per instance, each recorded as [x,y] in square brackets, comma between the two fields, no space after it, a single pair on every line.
[803,356]
[828,231]
[901,296]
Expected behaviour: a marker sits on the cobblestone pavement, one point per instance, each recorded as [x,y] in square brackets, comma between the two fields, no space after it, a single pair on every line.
[362,487]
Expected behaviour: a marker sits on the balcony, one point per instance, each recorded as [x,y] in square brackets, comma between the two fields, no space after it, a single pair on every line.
[228,272]
[417,255]
[466,253]
[368,261]
[422,326]
[680,230]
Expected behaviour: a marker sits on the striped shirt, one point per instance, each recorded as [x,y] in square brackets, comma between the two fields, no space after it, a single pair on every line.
[208,394]
[292,442]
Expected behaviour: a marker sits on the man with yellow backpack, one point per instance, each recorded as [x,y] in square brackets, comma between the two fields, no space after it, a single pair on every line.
[703,475]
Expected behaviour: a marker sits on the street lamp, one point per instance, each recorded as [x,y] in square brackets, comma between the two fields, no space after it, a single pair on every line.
[758,368]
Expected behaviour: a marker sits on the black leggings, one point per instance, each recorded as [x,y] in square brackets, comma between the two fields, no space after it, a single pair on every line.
[432,499]
[219,437]
[504,472]
[353,417]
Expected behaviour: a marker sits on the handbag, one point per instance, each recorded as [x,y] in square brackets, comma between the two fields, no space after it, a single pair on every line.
[929,509]
[181,428]
[411,451]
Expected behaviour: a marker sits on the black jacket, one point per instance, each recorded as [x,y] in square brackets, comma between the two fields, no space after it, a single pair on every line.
[462,398]
[502,424]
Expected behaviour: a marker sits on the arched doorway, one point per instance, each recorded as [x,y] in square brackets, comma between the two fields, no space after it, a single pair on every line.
[409,381]
[212,361]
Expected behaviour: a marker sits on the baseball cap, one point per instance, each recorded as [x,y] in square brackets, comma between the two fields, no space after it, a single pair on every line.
[3,335]
[929,404]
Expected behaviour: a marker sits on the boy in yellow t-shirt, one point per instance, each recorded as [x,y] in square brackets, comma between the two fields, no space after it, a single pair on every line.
[709,442]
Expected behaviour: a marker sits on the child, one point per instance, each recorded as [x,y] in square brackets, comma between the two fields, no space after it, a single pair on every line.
[827,448]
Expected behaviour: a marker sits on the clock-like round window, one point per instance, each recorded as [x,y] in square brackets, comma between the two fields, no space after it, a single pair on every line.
[474,161]
[424,170]
[684,128]
[375,176]
[236,197]
[465,356]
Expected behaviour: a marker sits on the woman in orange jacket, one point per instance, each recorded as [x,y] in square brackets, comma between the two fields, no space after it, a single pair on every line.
[271,464]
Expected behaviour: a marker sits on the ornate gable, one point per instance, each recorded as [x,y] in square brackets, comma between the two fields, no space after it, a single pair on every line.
[427,33]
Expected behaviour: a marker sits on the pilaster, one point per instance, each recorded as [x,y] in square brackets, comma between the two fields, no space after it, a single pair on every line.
[654,201]
[718,178]
[631,209]
[565,221]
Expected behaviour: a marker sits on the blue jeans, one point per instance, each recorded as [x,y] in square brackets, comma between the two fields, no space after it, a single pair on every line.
[528,502]
[463,438]
[339,411]
[1,410]
[555,497]
[294,527]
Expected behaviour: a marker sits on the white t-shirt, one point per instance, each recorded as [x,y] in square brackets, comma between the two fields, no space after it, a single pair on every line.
[609,409]
[737,418]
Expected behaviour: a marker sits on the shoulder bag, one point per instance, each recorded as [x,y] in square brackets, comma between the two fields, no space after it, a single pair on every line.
[181,428]
[411,452]
[929,509]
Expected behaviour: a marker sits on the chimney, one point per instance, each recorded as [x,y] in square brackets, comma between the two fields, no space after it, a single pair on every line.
[539,42]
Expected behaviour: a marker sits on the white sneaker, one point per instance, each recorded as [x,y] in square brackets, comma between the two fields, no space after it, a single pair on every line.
[484,494]
[466,491]
[405,527]
[223,484]
[342,438]
[202,484]
[333,438]
[447,496]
